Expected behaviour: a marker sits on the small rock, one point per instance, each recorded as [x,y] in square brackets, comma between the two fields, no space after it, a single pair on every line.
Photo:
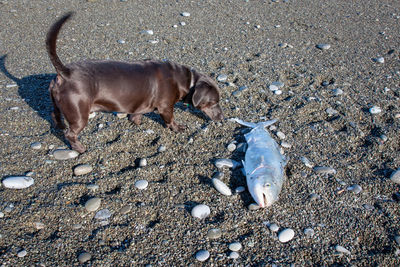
[21,253]
[278,84]
[93,204]
[280,135]
[235,246]
[214,233]
[230,163]
[331,111]
[82,169]
[103,214]
[395,177]
[273,87]
[375,110]
[233,255]
[323,46]
[201,211]
[141,184]
[380,60]
[222,77]
[355,188]
[243,88]
[306,162]
[221,187]
[84,257]
[1,214]
[314,196]
[309,232]
[92,187]
[185,14]
[278,92]
[337,91]
[121,115]
[231,147]
[126,209]
[254,206]
[324,170]
[38,225]
[397,239]
[18,182]
[143,162]
[182,23]
[36,145]
[202,255]
[286,144]
[240,189]
[162,148]
[64,154]
[286,235]
[121,41]
[342,249]
[149,32]
[273,227]
[153,41]
[92,115]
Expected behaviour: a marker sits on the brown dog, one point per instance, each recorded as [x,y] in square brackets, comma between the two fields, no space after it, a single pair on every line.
[134,88]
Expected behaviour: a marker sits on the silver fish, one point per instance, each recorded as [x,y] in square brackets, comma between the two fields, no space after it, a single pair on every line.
[264,164]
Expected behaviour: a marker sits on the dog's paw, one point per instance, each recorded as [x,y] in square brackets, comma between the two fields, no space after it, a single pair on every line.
[178,128]
[78,147]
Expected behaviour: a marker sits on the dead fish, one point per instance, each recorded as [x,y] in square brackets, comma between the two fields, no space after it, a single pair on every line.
[263,164]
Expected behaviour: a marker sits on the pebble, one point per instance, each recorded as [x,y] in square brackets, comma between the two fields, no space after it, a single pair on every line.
[201,211]
[125,209]
[11,85]
[93,204]
[103,214]
[84,257]
[202,255]
[121,41]
[324,170]
[185,14]
[92,115]
[323,46]
[64,154]
[141,184]
[235,246]
[240,189]
[254,206]
[309,232]
[162,148]
[375,110]
[221,187]
[29,173]
[36,145]
[278,84]
[121,115]
[395,176]
[233,255]
[231,147]
[380,60]
[22,253]
[243,88]
[306,162]
[355,188]
[153,41]
[18,182]
[286,144]
[280,135]
[286,235]
[337,91]
[273,87]
[331,111]
[273,227]
[1,214]
[214,233]
[278,92]
[342,249]
[38,225]
[182,23]
[230,163]
[92,187]
[82,169]
[149,32]
[314,196]
[397,239]
[222,77]
[143,162]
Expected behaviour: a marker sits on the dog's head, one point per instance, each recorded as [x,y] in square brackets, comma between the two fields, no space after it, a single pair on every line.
[206,98]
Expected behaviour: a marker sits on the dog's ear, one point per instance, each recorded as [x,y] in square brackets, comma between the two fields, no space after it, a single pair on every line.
[204,94]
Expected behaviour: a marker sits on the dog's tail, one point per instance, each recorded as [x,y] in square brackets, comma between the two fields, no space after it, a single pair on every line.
[51,40]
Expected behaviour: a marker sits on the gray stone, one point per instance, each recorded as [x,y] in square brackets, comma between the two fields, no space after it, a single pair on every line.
[214,233]
[395,176]
[93,204]
[65,154]
[82,169]
[84,257]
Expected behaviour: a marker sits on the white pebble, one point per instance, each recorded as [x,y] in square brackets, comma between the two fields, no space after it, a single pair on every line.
[375,110]
[92,115]
[121,115]
[337,91]
[273,227]
[278,84]
[221,187]
[1,214]
[202,255]
[355,188]
[141,184]
[64,154]
[395,177]
[11,85]
[149,32]
[233,255]
[324,170]
[14,108]
[162,148]
[82,169]
[121,41]
[286,144]
[143,162]
[254,206]
[185,14]
[286,235]
[309,232]
[231,147]
[278,92]
[153,41]
[280,135]
[36,145]
[235,246]
[18,182]
[201,211]
[323,46]
[222,77]
[240,189]
[93,204]
[92,187]
[380,60]
[22,253]
[331,111]
[273,87]
[182,23]
[306,162]
[230,163]
[342,249]
[103,214]
[38,225]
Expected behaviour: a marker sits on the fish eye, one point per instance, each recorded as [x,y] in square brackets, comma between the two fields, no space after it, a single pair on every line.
[267,185]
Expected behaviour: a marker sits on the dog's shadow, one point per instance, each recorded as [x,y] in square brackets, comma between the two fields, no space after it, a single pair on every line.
[33,89]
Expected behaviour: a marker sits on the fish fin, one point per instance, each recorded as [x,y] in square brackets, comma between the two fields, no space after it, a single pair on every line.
[244,123]
[244,168]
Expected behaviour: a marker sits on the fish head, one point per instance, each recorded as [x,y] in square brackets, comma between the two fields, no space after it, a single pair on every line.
[264,189]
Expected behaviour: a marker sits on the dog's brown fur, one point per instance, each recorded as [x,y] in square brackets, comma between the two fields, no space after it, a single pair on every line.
[134,88]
